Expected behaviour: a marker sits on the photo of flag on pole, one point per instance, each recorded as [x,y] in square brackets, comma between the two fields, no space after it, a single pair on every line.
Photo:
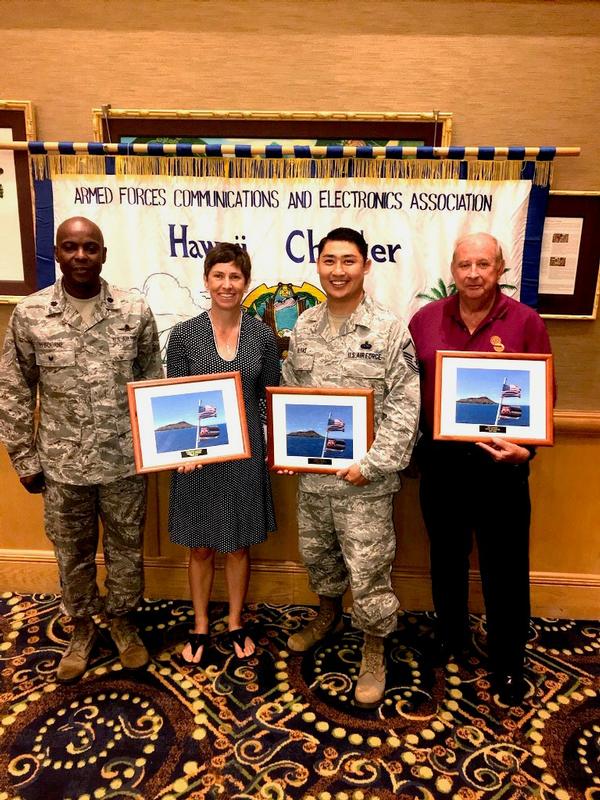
[484,395]
[333,424]
[508,411]
[492,397]
[180,421]
[319,431]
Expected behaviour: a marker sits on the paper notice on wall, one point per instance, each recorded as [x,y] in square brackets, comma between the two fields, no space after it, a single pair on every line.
[560,254]
[11,257]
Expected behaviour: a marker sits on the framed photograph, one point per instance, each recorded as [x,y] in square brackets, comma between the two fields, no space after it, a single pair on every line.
[433,128]
[479,396]
[17,263]
[569,285]
[194,420]
[318,430]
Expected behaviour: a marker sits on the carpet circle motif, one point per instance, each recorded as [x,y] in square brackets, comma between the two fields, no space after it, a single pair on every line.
[279,725]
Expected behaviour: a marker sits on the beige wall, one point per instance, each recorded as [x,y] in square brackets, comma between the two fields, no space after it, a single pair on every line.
[511,73]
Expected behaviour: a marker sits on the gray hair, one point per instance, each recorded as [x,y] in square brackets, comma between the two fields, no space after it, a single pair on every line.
[499,256]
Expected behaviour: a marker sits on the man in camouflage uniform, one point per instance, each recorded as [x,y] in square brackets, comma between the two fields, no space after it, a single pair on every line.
[346,533]
[75,345]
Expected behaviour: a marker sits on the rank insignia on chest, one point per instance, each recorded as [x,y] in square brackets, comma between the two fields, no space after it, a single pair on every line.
[125,327]
[366,346]
[496,343]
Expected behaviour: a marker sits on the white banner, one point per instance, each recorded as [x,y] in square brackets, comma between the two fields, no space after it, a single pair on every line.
[158,229]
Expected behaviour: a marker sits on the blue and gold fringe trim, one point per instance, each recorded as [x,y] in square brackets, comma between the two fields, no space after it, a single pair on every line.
[291,161]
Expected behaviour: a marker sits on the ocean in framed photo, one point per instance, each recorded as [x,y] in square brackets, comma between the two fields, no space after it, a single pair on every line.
[186,438]
[312,447]
[485,414]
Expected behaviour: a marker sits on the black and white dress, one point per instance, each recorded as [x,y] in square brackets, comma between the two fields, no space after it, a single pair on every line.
[228,505]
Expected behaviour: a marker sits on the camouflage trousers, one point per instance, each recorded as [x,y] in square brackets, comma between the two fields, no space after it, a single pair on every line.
[71,517]
[351,541]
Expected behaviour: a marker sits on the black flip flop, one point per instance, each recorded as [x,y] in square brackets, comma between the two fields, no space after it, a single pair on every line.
[195,640]
[239,636]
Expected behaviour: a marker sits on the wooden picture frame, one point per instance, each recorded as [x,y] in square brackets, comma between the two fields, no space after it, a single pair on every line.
[18,270]
[199,419]
[432,128]
[337,425]
[576,216]
[479,396]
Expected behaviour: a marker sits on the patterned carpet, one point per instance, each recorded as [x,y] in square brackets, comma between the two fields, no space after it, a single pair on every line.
[279,726]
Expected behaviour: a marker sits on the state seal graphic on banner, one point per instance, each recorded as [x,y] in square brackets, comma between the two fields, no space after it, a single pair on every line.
[280,306]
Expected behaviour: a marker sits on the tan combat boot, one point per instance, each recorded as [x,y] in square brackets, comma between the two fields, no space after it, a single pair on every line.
[371,680]
[328,619]
[132,651]
[75,659]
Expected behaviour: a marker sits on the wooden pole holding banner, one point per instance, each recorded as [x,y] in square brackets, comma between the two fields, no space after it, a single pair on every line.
[320,151]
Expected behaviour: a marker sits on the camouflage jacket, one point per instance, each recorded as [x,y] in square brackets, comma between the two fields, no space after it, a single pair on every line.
[373,349]
[81,371]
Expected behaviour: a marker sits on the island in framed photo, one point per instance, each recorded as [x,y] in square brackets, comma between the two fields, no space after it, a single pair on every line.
[493,397]
[189,421]
[318,429]
[197,419]
[321,431]
[480,396]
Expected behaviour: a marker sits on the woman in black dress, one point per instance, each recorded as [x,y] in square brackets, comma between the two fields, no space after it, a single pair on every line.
[224,507]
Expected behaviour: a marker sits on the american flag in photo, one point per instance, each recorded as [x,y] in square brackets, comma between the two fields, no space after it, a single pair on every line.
[511,390]
[206,411]
[336,424]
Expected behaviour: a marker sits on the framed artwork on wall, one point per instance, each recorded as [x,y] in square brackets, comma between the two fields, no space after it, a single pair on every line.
[17,263]
[433,128]
[569,266]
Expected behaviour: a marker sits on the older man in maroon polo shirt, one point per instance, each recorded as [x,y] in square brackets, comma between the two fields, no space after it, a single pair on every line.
[478,488]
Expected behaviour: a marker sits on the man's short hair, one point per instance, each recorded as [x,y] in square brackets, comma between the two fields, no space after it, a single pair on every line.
[499,255]
[345,235]
[78,218]
[225,253]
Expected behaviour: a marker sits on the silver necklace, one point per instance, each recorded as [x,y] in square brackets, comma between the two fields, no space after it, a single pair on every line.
[226,343]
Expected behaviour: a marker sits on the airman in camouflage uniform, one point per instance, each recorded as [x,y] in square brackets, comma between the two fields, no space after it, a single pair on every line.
[345,523]
[74,345]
